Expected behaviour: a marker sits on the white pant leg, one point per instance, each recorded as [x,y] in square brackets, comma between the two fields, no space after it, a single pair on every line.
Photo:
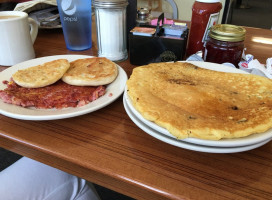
[27,179]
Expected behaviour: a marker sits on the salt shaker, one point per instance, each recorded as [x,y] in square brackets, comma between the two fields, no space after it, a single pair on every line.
[143,16]
[111,27]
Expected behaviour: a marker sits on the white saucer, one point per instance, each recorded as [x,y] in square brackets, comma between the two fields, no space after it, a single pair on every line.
[245,141]
[113,91]
[186,145]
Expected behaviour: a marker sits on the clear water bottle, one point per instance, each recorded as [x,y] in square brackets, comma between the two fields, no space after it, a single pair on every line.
[76,21]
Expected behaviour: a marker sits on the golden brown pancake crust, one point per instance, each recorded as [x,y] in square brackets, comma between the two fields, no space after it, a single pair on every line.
[91,72]
[41,75]
[194,102]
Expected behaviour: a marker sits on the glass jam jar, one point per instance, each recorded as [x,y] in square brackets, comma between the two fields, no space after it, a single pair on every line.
[225,44]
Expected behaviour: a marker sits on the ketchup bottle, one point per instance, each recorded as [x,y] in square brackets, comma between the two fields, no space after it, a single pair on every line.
[205,13]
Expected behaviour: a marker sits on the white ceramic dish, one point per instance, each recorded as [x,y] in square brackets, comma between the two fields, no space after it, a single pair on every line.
[249,140]
[186,145]
[113,91]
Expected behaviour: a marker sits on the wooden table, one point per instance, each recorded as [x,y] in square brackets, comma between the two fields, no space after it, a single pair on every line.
[107,148]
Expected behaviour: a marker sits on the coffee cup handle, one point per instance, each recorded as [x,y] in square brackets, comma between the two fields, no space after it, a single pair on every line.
[33,29]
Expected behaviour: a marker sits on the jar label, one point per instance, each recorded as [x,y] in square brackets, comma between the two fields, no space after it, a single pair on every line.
[212,21]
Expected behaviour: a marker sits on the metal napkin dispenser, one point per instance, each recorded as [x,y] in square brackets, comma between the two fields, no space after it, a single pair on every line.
[151,44]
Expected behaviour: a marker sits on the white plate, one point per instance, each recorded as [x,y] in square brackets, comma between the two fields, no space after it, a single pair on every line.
[113,91]
[249,140]
[186,145]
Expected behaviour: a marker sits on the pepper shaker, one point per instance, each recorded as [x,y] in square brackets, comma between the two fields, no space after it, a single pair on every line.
[143,17]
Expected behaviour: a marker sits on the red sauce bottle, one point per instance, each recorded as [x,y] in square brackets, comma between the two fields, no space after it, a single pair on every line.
[205,13]
[225,44]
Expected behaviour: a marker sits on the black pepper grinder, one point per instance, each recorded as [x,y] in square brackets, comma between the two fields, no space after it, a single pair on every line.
[131,16]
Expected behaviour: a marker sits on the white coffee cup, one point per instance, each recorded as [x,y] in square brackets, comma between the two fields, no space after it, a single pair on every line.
[17,35]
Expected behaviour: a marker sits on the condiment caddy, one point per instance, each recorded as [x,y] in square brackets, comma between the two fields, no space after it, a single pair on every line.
[160,43]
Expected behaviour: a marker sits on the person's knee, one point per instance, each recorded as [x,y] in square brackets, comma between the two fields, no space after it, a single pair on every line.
[29,179]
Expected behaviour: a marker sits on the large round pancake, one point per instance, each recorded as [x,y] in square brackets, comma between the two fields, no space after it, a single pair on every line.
[194,102]
[91,72]
[41,75]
